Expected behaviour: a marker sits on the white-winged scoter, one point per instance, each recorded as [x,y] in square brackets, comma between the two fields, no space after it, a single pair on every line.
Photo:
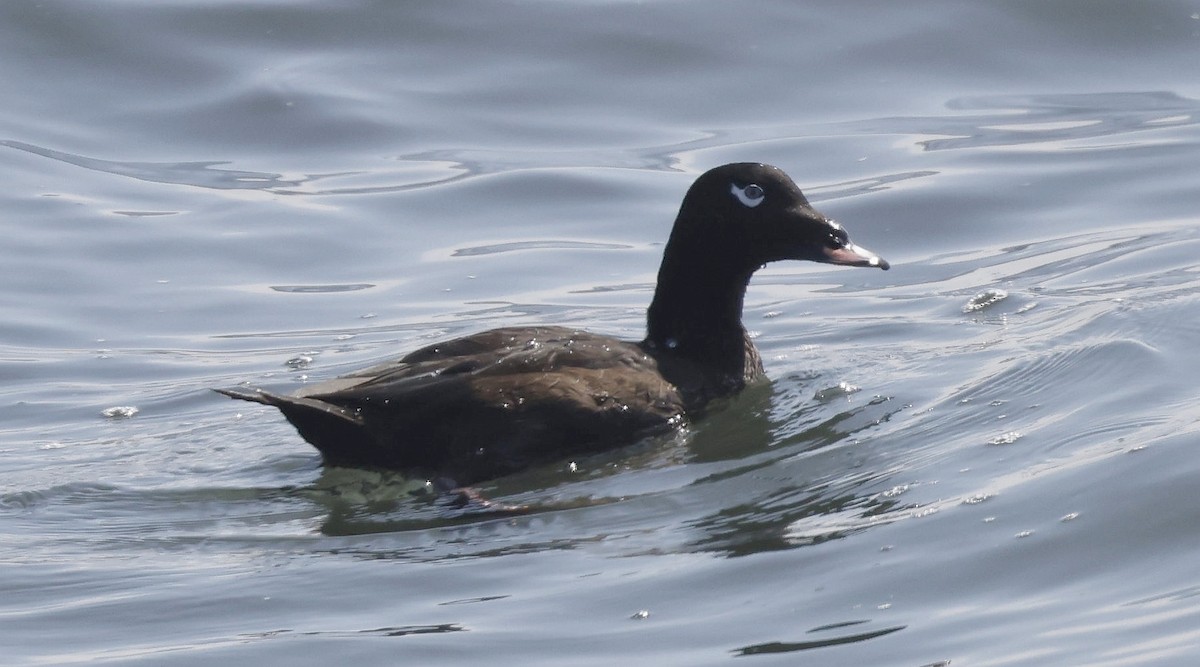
[492,403]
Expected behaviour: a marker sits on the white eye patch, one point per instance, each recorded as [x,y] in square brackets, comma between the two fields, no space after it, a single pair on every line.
[752,195]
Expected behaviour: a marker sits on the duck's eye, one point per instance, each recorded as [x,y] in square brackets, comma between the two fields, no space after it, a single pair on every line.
[838,238]
[751,195]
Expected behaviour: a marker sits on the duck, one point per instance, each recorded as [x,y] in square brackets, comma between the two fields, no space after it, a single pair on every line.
[493,403]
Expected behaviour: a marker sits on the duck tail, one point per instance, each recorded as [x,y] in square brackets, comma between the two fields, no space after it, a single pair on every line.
[254,396]
[339,434]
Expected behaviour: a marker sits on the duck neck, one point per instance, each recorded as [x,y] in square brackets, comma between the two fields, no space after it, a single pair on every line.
[696,318]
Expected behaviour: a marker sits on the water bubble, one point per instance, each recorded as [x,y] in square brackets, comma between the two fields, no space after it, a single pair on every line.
[1006,438]
[119,412]
[837,391]
[984,299]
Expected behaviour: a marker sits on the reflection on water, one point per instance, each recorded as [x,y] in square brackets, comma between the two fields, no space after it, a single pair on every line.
[790,647]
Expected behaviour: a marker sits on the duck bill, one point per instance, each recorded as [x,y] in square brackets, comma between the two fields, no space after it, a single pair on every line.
[854,255]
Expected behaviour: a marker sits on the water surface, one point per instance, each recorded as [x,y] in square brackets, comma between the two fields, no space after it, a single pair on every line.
[984,456]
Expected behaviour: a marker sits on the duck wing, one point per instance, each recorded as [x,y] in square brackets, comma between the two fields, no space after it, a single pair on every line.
[485,405]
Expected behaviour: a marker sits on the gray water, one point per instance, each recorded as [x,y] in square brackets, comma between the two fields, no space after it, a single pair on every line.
[985,456]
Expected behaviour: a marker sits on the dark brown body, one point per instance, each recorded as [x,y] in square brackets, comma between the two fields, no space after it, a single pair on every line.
[486,405]
[492,403]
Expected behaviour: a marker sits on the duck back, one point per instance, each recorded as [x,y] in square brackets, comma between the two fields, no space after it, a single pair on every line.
[485,405]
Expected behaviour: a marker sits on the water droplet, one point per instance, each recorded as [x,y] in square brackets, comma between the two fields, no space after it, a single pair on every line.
[1006,438]
[837,391]
[119,412]
[984,299]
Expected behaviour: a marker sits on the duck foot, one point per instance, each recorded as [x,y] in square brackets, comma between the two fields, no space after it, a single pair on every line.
[467,501]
